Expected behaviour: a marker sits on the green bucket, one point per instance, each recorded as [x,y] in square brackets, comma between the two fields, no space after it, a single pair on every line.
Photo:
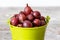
[36,33]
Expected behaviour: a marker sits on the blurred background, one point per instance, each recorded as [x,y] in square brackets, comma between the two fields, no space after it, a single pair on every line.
[46,7]
[53,28]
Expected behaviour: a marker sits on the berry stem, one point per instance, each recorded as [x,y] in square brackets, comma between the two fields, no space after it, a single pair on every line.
[27,4]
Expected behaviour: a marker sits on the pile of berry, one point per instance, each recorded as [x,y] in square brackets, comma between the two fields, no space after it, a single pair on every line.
[28,18]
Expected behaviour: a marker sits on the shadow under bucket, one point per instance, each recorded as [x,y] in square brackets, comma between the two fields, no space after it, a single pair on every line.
[35,33]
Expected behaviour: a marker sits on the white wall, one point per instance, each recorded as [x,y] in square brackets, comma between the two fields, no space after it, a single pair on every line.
[21,3]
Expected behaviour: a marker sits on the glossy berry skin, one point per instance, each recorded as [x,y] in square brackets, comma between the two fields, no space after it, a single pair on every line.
[27,10]
[14,21]
[22,17]
[42,18]
[30,17]
[36,22]
[42,23]
[36,14]
[21,12]
[16,15]
[20,25]
[27,24]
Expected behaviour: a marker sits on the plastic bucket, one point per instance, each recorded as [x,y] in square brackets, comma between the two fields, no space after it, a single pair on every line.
[36,33]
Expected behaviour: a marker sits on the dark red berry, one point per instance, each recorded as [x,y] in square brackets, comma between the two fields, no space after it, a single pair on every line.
[17,16]
[36,22]
[42,18]
[21,12]
[42,22]
[22,17]
[27,24]
[27,10]
[30,17]
[36,14]
[14,21]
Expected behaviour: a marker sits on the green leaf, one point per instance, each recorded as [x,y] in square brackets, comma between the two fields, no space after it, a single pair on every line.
[47,19]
